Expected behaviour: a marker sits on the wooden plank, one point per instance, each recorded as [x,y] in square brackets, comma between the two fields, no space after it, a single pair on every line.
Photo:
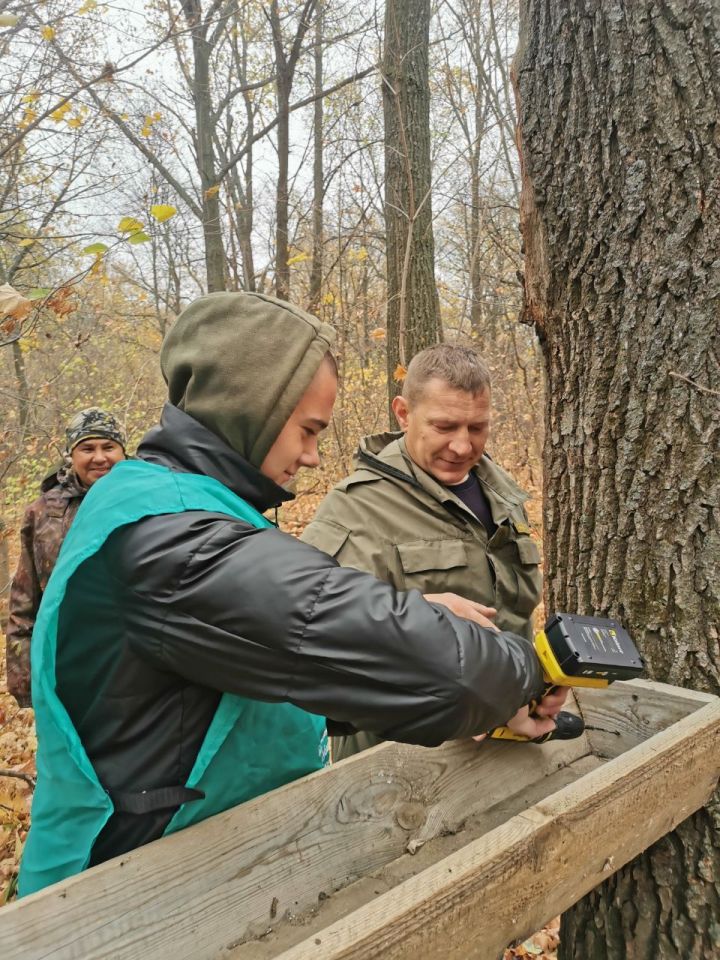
[626,714]
[192,894]
[508,882]
[289,931]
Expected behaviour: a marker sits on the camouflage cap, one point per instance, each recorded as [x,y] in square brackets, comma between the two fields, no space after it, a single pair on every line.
[91,423]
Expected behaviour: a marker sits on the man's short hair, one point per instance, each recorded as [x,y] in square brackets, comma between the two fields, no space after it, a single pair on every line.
[459,367]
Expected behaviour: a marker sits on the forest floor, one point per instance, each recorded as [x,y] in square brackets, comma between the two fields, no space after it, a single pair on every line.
[17,766]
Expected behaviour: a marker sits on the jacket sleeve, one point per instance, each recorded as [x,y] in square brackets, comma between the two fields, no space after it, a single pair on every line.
[25,596]
[261,615]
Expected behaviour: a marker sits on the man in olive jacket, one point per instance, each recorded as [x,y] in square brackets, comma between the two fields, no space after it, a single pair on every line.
[428,508]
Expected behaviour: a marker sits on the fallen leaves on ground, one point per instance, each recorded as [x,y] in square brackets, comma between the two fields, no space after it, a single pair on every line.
[540,946]
[17,755]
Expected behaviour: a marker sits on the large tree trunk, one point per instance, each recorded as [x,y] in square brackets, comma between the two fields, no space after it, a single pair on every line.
[413,311]
[618,109]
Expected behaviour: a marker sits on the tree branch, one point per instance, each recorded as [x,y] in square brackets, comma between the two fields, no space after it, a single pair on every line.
[680,376]
[19,776]
[268,128]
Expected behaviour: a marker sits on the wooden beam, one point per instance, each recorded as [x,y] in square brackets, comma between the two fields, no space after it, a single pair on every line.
[626,714]
[230,876]
[211,890]
[507,883]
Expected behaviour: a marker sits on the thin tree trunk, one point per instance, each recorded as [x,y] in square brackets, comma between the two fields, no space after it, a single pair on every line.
[246,215]
[282,270]
[285,64]
[209,187]
[316,270]
[618,107]
[413,309]
[23,388]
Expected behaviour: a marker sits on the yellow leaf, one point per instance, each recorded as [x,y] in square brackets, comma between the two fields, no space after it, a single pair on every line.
[129,225]
[329,298]
[74,122]
[145,132]
[87,7]
[47,32]
[156,116]
[59,114]
[31,97]
[29,117]
[124,116]
[9,19]
[298,258]
[162,212]
[378,333]
[212,191]
[27,242]
[399,373]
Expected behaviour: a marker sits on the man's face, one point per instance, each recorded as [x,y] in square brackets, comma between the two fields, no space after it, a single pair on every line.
[297,442]
[93,458]
[445,429]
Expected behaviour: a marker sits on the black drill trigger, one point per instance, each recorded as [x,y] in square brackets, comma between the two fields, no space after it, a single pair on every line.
[568,726]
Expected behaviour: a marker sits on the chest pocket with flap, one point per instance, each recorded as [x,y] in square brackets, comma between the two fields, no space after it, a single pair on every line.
[421,555]
[528,551]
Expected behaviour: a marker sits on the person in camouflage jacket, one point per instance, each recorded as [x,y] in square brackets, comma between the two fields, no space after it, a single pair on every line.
[94,443]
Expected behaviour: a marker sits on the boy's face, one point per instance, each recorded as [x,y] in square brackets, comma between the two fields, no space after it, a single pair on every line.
[297,443]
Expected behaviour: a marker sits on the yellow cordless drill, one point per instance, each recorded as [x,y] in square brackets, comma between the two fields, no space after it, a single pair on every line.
[579,652]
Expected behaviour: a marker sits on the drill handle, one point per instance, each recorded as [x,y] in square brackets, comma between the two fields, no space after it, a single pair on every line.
[567,725]
[548,689]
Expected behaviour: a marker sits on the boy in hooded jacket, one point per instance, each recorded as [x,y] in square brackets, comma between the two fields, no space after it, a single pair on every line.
[188,652]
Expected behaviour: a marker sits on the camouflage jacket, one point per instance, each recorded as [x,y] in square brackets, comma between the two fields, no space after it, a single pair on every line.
[45,524]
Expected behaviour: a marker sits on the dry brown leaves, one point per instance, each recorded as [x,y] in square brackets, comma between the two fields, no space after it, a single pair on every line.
[540,946]
[17,756]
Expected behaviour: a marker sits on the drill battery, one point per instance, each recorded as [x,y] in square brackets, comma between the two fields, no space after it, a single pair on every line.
[586,651]
[579,651]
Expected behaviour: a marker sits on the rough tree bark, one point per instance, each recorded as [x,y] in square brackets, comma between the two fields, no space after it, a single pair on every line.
[620,151]
[413,310]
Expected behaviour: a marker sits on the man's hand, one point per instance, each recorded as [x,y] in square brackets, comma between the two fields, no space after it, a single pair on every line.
[542,720]
[535,726]
[467,609]
[551,705]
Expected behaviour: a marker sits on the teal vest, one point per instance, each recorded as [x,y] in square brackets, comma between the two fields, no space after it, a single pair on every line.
[250,747]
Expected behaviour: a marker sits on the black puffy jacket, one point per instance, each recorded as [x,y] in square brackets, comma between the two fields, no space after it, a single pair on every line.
[210,604]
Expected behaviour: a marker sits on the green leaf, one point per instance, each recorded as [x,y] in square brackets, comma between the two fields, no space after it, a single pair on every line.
[139,237]
[96,249]
[39,293]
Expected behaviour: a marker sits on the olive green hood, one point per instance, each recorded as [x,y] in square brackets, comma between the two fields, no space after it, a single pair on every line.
[239,363]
